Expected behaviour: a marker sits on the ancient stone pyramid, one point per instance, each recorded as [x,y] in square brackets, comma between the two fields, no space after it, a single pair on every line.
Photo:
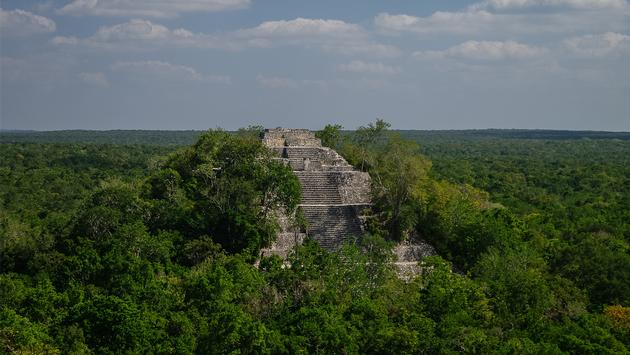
[334,195]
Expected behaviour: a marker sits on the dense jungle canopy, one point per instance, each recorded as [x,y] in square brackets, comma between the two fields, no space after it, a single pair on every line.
[146,241]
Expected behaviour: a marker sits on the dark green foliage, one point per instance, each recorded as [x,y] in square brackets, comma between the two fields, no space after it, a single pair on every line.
[173,138]
[600,264]
[180,138]
[225,186]
[120,249]
[572,196]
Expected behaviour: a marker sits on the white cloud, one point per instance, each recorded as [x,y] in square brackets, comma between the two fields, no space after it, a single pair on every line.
[134,29]
[302,27]
[357,66]
[299,31]
[96,79]
[480,20]
[167,71]
[576,4]
[437,22]
[20,22]
[148,8]
[485,51]
[596,58]
[328,35]
[598,45]
[138,34]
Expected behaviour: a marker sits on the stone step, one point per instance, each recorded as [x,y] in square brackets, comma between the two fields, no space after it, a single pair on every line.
[318,174]
[331,226]
[301,153]
[319,187]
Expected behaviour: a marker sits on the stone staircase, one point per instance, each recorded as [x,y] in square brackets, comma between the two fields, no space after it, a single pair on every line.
[300,153]
[332,226]
[333,193]
[335,198]
[319,187]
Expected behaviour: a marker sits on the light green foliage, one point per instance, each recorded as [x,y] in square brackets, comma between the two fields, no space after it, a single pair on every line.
[399,174]
[330,136]
[399,177]
[19,335]
[366,139]
[516,279]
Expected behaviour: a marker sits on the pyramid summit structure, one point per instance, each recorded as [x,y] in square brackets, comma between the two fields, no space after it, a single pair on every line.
[336,201]
[335,196]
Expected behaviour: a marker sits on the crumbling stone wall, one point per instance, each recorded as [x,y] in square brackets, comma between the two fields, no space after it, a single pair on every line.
[283,137]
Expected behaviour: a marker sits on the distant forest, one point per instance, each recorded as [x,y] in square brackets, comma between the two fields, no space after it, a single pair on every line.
[126,242]
[189,137]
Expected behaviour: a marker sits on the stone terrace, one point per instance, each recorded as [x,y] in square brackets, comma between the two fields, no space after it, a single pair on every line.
[335,198]
[334,195]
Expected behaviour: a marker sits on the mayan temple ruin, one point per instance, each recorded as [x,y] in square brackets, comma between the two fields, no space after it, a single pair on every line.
[334,195]
[335,198]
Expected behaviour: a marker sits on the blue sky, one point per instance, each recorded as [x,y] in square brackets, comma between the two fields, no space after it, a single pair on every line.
[198,64]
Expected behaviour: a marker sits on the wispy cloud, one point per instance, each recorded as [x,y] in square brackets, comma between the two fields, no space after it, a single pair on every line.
[20,23]
[138,34]
[599,59]
[599,45]
[485,51]
[147,8]
[576,4]
[327,35]
[488,18]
